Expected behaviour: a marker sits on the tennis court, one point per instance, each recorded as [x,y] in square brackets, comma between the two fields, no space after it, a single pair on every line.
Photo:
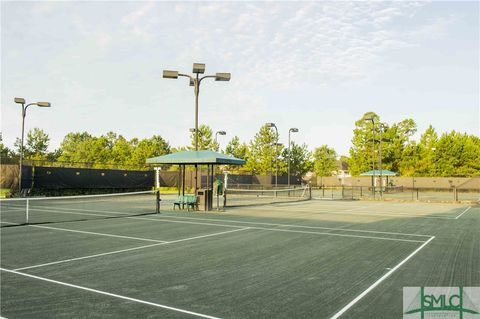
[301,259]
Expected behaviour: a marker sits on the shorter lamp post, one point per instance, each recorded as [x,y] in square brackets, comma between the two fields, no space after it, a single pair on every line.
[270,125]
[219,133]
[277,146]
[292,130]
[21,101]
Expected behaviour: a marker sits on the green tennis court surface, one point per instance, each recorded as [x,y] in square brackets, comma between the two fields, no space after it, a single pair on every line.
[307,259]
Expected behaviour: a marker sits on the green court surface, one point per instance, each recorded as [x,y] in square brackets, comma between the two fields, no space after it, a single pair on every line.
[310,259]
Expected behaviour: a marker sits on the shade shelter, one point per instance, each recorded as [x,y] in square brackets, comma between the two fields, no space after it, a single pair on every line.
[209,158]
[380,173]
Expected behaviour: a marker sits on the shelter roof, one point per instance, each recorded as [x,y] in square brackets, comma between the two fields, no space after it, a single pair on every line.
[384,172]
[196,157]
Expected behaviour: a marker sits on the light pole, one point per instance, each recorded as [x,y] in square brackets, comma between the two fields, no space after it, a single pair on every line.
[382,127]
[270,125]
[195,80]
[294,130]
[372,119]
[219,133]
[21,101]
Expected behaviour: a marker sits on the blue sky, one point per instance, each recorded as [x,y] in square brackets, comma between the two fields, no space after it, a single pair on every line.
[318,66]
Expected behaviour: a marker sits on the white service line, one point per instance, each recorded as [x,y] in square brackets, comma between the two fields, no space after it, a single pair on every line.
[296,226]
[128,249]
[162,219]
[98,234]
[466,210]
[110,294]
[115,214]
[349,212]
[376,283]
[9,224]
[341,235]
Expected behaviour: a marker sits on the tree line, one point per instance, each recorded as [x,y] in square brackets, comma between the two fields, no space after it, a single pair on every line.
[449,154]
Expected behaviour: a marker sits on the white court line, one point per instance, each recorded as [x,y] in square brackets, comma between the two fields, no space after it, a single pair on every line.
[341,235]
[98,234]
[161,219]
[466,210]
[376,283]
[295,226]
[129,249]
[110,294]
[9,224]
[348,212]
[126,215]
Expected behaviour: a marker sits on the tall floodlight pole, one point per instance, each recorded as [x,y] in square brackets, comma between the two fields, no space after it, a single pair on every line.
[292,130]
[270,125]
[382,127]
[21,101]
[195,80]
[372,119]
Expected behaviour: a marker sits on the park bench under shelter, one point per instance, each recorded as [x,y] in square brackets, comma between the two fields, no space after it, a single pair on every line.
[196,158]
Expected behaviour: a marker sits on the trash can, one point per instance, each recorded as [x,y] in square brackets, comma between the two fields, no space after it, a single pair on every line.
[204,199]
[217,192]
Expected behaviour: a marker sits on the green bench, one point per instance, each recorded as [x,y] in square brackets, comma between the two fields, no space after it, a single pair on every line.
[189,200]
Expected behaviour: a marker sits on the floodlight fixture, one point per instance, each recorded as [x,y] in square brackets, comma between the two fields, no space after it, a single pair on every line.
[294,130]
[20,100]
[192,130]
[43,104]
[219,133]
[199,68]
[168,74]
[222,76]
[270,125]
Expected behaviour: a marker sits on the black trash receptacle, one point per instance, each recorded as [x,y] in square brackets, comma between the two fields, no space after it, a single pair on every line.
[204,199]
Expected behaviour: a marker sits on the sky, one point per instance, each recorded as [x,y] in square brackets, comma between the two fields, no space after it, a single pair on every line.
[316,66]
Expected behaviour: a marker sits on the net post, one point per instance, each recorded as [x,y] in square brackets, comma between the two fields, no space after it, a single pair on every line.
[26,211]
[157,195]
[224,197]
[309,192]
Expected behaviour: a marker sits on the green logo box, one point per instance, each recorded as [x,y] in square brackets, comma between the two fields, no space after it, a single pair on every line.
[441,303]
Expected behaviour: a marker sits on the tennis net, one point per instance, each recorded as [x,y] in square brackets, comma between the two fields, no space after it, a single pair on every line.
[252,197]
[40,210]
